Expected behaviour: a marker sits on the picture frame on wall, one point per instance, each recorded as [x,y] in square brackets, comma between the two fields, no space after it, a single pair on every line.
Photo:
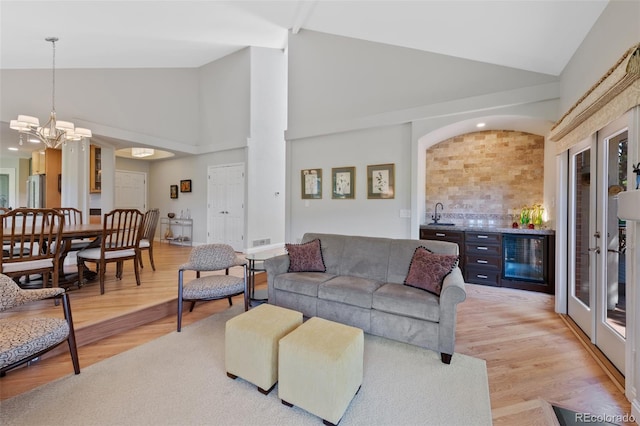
[185,185]
[311,181]
[381,181]
[173,191]
[343,183]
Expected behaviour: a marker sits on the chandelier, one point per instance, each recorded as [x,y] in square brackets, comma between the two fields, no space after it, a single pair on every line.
[54,133]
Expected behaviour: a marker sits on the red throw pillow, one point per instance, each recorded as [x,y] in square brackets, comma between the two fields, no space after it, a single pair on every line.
[305,257]
[428,269]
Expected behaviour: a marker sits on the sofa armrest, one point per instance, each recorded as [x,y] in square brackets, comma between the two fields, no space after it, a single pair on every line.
[275,266]
[452,293]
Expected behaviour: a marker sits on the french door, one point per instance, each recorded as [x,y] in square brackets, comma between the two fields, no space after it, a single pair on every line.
[597,240]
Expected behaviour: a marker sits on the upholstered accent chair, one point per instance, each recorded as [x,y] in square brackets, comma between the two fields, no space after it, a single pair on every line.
[211,257]
[149,225]
[23,338]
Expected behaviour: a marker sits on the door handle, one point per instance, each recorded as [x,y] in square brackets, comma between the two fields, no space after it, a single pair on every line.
[596,249]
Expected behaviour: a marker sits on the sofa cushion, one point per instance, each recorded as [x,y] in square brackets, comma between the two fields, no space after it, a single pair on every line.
[407,301]
[427,270]
[301,282]
[354,291]
[305,257]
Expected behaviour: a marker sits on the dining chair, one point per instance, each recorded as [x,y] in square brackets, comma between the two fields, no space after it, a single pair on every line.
[149,225]
[119,242]
[30,243]
[211,257]
[24,338]
[73,216]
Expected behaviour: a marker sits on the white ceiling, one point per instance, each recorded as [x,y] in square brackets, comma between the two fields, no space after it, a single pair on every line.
[533,35]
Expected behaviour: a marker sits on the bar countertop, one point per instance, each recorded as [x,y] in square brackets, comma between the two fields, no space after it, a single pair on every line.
[502,230]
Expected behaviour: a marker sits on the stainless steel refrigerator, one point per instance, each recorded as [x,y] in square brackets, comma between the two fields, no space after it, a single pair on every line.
[36,191]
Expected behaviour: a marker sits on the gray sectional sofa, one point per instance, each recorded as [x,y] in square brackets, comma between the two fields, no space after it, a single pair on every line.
[363,287]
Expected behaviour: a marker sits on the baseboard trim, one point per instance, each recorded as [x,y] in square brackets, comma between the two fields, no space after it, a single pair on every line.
[612,372]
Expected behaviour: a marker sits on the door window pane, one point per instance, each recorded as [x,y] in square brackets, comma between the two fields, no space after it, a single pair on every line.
[582,201]
[616,236]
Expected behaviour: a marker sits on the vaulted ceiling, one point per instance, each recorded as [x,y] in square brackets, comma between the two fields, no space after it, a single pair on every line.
[533,35]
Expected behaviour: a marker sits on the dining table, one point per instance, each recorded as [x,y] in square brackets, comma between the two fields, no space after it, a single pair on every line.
[69,234]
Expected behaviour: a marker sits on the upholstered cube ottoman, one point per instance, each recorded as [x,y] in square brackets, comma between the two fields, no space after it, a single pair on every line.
[251,343]
[320,367]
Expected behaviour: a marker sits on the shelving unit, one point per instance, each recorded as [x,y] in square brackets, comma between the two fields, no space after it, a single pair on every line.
[95,169]
[176,231]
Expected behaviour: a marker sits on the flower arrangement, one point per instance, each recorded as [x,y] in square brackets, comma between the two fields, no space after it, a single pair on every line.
[531,216]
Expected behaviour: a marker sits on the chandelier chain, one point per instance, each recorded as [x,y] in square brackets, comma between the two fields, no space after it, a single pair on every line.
[53,90]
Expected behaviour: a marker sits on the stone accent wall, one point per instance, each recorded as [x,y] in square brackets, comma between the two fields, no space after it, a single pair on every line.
[488,175]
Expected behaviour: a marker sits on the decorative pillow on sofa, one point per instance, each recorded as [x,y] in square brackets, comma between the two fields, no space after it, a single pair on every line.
[305,257]
[428,269]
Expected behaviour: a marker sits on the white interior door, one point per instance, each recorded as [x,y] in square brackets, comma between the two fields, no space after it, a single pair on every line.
[596,300]
[131,190]
[226,205]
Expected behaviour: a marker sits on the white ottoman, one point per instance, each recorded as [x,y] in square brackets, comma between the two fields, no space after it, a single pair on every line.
[320,367]
[251,344]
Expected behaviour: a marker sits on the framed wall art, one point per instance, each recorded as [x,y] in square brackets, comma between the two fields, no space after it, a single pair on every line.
[173,191]
[185,185]
[311,181]
[381,181]
[343,183]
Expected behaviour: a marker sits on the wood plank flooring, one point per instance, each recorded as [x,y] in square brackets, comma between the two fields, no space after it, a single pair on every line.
[532,356]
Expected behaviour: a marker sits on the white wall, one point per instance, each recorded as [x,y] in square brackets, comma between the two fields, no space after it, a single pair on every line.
[341,89]
[242,101]
[361,216]
[224,98]
[335,81]
[159,103]
[266,152]
[617,29]
[164,173]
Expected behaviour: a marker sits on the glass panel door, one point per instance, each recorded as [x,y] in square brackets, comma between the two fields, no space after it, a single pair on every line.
[611,282]
[581,230]
[597,285]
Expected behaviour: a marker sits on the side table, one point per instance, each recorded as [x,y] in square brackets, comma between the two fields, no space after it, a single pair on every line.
[256,264]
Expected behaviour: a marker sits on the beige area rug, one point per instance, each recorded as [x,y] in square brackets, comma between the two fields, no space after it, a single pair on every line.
[180,379]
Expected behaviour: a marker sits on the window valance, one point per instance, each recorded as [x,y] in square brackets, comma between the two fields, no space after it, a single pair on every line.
[614,94]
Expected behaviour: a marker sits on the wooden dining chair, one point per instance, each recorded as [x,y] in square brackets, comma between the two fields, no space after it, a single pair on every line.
[119,242]
[149,225]
[31,240]
[73,216]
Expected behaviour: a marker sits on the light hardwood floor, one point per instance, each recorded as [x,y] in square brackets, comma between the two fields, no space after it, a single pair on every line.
[532,355]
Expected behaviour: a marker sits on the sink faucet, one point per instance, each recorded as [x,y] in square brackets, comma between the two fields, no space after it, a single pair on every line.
[436,216]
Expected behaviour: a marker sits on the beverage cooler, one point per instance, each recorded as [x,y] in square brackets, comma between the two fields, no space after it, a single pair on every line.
[525,258]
